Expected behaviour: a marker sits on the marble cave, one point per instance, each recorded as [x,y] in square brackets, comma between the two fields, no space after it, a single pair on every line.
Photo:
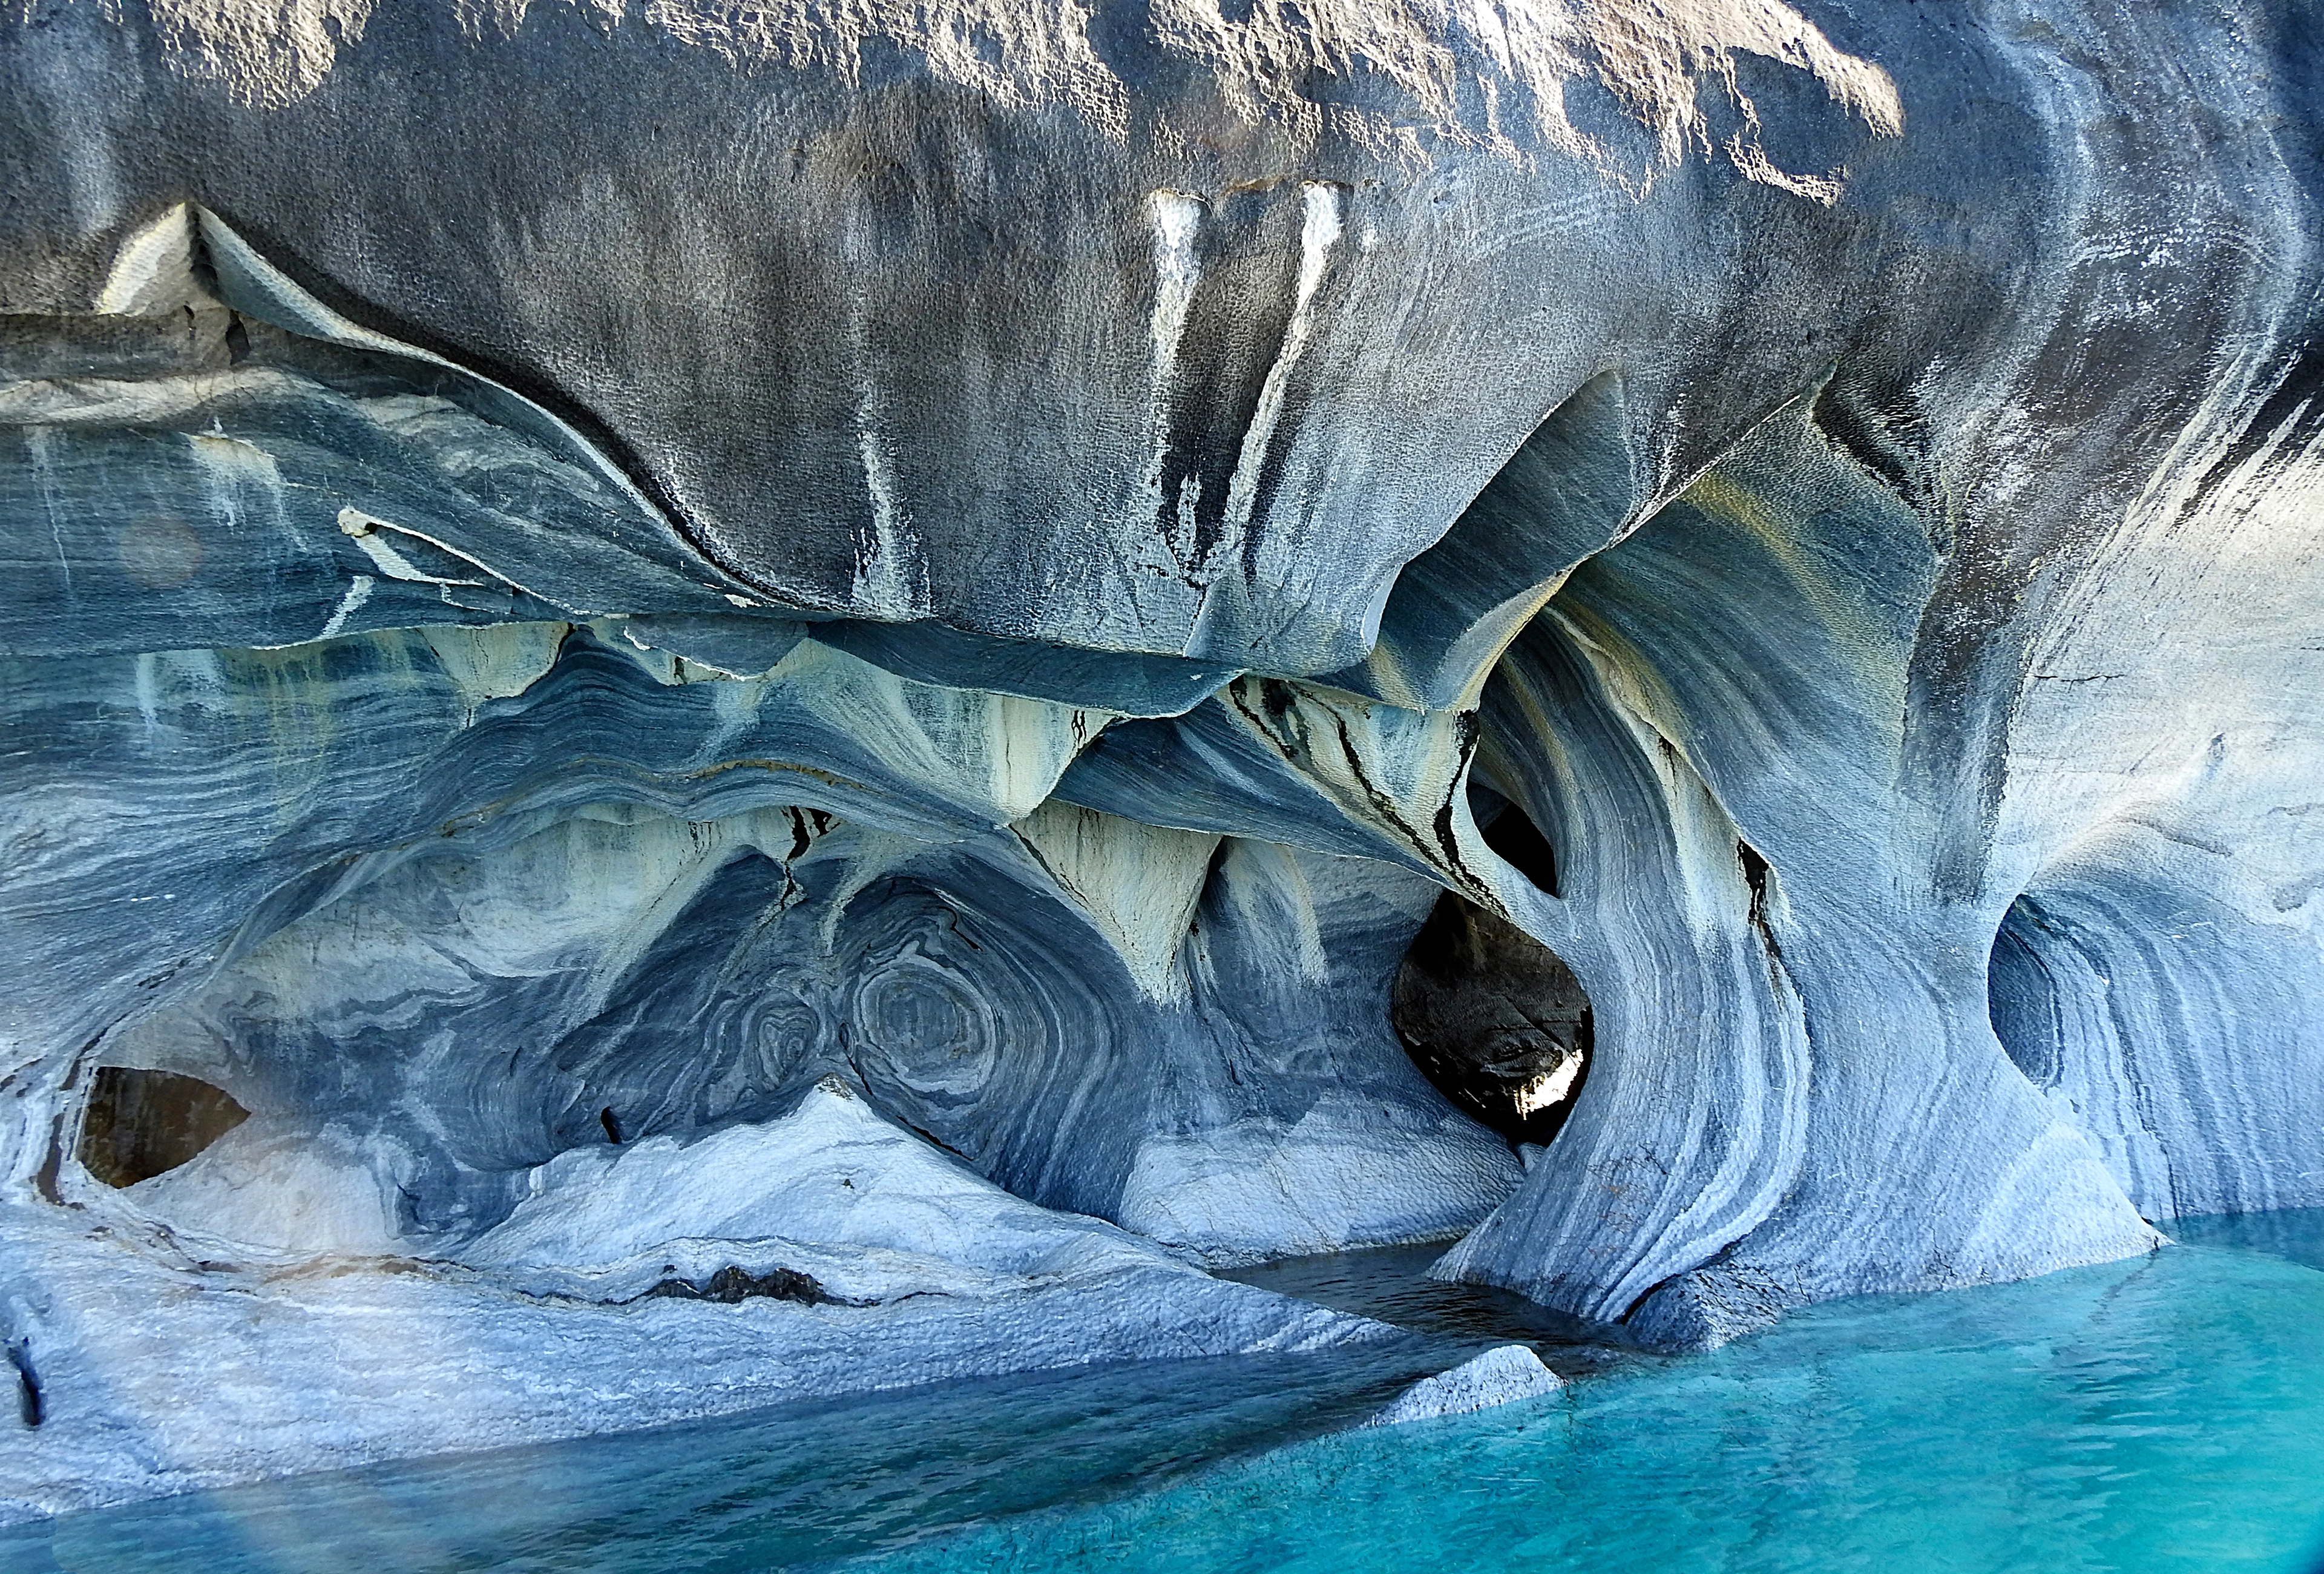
[713,705]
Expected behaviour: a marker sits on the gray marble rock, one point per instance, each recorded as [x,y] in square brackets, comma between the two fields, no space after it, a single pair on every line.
[1501,1376]
[571,575]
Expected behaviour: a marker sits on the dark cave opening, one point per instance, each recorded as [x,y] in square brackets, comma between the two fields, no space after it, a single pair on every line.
[1494,1019]
[2021,995]
[140,1123]
[1509,832]
[32,1404]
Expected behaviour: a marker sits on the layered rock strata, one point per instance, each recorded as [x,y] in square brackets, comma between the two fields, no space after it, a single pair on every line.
[625,621]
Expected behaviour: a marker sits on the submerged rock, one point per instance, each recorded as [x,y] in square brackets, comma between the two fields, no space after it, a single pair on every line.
[1110,579]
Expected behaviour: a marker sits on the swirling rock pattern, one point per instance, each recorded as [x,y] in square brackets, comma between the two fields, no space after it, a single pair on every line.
[583,581]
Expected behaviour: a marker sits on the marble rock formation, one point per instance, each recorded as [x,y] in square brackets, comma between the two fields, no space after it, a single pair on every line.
[1504,1375]
[706,703]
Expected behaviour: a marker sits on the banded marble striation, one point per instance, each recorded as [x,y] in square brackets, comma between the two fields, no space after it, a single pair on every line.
[782,691]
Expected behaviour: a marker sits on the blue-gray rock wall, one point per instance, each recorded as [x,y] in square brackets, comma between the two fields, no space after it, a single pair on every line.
[577,573]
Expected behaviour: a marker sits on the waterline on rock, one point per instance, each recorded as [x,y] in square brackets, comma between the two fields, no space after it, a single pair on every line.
[2158,1415]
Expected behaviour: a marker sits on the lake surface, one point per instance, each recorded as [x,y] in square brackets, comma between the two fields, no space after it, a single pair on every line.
[2165,1414]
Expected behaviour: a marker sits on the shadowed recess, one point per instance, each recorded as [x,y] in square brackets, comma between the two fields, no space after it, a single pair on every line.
[1494,1018]
[140,1124]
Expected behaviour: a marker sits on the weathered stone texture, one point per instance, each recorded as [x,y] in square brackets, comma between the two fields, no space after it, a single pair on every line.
[576,577]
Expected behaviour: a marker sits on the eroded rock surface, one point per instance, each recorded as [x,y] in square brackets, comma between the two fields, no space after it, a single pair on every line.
[1502,1375]
[576,576]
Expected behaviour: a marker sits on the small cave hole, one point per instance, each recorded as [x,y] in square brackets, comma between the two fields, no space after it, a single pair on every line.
[1514,837]
[140,1124]
[32,1407]
[613,1125]
[1494,1019]
[2021,994]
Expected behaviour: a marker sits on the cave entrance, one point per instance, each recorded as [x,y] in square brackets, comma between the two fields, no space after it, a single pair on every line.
[1495,1019]
[140,1124]
[1509,832]
[2038,981]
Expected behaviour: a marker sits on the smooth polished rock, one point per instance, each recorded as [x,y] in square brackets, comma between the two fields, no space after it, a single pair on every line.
[569,572]
[1501,1376]
[826,1251]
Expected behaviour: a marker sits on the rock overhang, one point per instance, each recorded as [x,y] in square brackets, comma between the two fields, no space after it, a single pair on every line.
[1015,560]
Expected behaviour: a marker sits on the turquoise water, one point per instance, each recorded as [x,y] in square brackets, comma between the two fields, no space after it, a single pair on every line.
[2165,1414]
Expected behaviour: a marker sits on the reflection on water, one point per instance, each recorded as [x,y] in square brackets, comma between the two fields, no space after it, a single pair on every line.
[1392,1285]
[796,1483]
[2165,1414]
